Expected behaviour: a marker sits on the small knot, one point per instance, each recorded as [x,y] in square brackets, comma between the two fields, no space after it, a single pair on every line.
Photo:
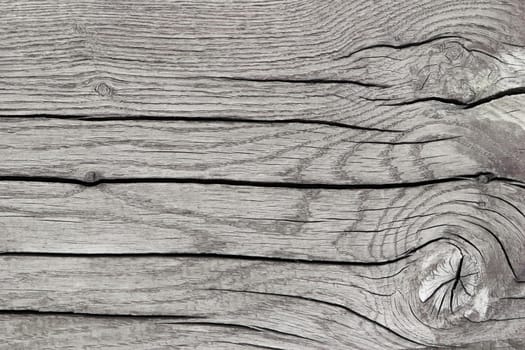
[104,90]
[79,28]
[450,282]
[92,177]
[453,51]
[485,178]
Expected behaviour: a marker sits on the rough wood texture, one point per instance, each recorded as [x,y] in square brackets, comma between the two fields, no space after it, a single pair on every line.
[249,174]
[254,59]
[426,143]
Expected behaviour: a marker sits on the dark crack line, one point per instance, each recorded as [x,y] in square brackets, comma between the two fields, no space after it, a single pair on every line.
[504,250]
[392,143]
[441,304]
[110,118]
[401,46]
[306,81]
[95,180]
[422,100]
[35,312]
[237,326]
[340,306]
[434,292]
[496,319]
[252,345]
[457,279]
[200,256]
[513,298]
[496,96]
[507,202]
[463,105]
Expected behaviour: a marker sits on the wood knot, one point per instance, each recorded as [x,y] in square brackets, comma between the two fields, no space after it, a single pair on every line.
[104,90]
[455,70]
[92,177]
[485,178]
[449,283]
[453,51]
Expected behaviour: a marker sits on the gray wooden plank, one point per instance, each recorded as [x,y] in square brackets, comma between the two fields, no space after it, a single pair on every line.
[63,332]
[433,143]
[265,295]
[406,97]
[253,59]
[22,332]
[307,305]
[353,225]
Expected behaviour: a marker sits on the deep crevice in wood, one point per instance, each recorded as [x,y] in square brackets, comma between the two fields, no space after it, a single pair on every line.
[201,256]
[501,94]
[144,118]
[35,312]
[457,279]
[305,81]
[456,102]
[402,46]
[94,180]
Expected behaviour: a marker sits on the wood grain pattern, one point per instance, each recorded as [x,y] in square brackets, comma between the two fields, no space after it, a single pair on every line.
[253,59]
[308,305]
[366,225]
[452,251]
[252,174]
[427,143]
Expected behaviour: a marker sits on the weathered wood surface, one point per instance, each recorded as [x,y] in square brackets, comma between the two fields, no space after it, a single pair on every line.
[254,59]
[426,143]
[262,174]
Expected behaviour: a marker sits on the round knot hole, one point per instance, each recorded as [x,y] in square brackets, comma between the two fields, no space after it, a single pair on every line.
[92,177]
[104,90]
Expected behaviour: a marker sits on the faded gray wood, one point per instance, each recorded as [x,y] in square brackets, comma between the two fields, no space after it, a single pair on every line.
[428,143]
[258,174]
[182,58]
[368,225]
[307,305]
[419,236]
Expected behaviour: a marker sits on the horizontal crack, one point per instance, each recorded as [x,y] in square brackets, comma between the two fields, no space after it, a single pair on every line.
[421,100]
[463,105]
[401,46]
[204,120]
[175,255]
[238,326]
[306,81]
[95,180]
[36,312]
[398,143]
[496,96]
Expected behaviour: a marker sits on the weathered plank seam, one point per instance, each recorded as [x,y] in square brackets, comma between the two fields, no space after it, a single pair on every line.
[34,312]
[201,256]
[204,120]
[401,46]
[93,179]
[464,105]
[306,81]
